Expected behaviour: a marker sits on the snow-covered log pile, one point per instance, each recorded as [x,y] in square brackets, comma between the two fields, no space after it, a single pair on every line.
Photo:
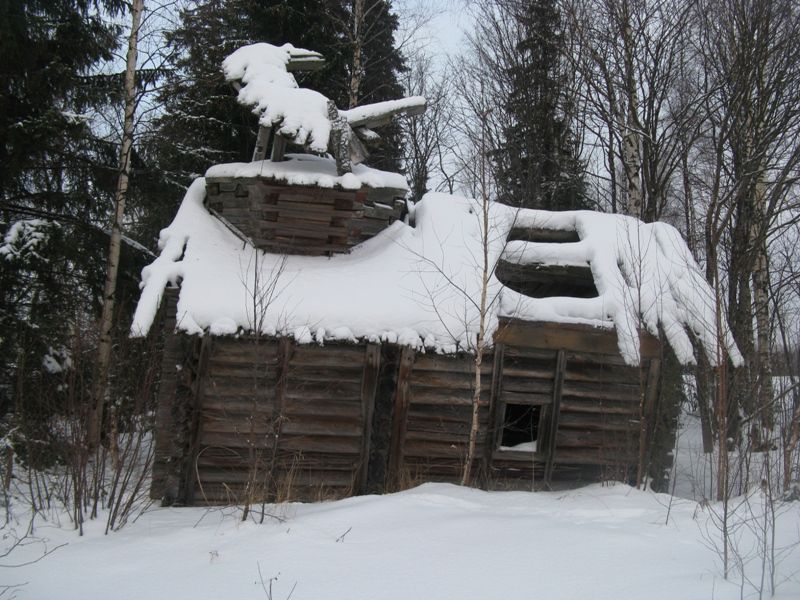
[417,285]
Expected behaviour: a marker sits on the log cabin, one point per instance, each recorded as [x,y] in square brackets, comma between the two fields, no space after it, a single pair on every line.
[324,337]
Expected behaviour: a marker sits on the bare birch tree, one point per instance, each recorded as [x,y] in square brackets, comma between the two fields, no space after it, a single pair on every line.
[100,381]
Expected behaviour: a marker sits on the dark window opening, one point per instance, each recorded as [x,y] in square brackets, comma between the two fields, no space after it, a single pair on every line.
[551,236]
[520,427]
[545,281]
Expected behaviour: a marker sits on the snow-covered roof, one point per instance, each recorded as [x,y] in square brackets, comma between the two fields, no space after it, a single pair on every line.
[307,169]
[418,285]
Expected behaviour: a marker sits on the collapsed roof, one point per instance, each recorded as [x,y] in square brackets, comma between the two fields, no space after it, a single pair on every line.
[417,285]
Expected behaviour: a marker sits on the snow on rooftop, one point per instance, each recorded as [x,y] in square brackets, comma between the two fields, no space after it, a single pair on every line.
[306,169]
[417,285]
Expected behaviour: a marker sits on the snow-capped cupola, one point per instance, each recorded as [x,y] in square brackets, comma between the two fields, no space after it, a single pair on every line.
[304,117]
[308,204]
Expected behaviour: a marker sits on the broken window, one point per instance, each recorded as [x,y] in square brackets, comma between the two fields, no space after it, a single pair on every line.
[520,427]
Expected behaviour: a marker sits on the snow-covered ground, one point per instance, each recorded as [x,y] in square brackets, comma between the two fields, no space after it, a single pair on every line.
[436,541]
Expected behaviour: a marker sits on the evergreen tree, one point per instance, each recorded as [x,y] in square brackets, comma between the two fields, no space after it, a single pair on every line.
[537,165]
[56,183]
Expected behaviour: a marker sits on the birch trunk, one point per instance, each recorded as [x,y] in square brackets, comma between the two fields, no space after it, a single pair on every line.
[630,139]
[99,386]
[357,70]
[761,302]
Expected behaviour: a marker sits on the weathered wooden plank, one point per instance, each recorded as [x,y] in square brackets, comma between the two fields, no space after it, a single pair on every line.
[595,439]
[552,433]
[437,362]
[647,413]
[514,353]
[440,396]
[495,422]
[602,422]
[197,423]
[237,401]
[598,406]
[602,391]
[444,380]
[324,408]
[607,373]
[568,336]
[243,350]
[332,444]
[526,385]
[369,389]
[330,355]
[538,234]
[295,426]
[533,399]
[333,389]
[401,405]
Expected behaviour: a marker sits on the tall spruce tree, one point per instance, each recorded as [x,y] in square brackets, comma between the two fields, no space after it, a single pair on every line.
[57,178]
[203,124]
[537,164]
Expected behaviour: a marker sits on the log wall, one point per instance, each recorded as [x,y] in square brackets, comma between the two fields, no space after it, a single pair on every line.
[270,419]
[306,220]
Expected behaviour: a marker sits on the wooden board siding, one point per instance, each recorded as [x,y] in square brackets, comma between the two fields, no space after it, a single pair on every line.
[438,417]
[597,430]
[279,420]
[300,219]
[293,415]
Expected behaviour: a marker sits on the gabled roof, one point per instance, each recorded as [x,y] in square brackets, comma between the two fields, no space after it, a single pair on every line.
[418,285]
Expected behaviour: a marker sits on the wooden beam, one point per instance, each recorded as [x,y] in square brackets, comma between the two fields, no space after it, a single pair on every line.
[495,408]
[190,477]
[647,424]
[402,400]
[262,141]
[552,431]
[569,336]
[537,234]
[369,388]
[278,148]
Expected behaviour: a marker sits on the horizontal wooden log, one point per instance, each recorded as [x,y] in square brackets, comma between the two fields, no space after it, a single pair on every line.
[329,444]
[579,405]
[444,380]
[567,336]
[616,391]
[295,426]
[592,457]
[596,439]
[528,398]
[319,374]
[512,353]
[601,422]
[330,355]
[538,234]
[440,396]
[453,364]
[237,401]
[323,389]
[601,373]
[244,349]
[526,385]
[323,408]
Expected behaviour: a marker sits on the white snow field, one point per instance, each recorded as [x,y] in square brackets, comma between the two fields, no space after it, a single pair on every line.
[436,541]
